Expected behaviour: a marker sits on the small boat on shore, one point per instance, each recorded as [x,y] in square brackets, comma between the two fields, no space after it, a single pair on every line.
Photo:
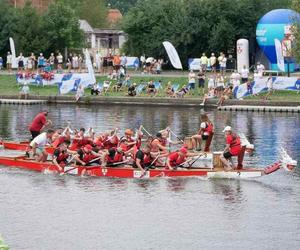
[125,171]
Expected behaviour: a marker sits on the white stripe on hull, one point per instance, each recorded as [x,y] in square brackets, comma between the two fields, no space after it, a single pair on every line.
[234,174]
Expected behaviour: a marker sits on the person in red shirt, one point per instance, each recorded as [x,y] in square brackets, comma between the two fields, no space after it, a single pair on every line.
[178,158]
[39,123]
[233,148]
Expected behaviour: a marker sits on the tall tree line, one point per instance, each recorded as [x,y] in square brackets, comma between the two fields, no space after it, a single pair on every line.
[193,26]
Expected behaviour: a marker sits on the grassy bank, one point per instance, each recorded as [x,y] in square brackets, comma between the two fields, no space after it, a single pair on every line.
[8,86]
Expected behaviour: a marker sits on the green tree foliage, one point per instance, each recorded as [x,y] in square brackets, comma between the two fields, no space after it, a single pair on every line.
[193,26]
[56,29]
[61,28]
[296,29]
[123,5]
[94,11]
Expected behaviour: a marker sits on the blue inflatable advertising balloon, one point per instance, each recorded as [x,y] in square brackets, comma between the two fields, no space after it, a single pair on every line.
[277,24]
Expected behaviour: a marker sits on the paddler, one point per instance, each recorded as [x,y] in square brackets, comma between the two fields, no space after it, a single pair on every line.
[205,133]
[142,158]
[87,155]
[61,156]
[80,140]
[39,123]
[113,157]
[178,158]
[233,148]
[158,149]
[127,143]
[38,144]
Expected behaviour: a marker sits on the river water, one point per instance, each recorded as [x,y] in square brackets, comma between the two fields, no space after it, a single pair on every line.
[39,211]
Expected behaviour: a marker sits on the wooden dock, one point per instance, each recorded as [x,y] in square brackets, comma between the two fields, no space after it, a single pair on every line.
[260,108]
[22,101]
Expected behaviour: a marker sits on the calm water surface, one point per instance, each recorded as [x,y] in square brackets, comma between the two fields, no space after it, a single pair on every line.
[39,211]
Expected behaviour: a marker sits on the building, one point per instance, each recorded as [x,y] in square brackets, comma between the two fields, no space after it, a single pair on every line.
[103,40]
[40,5]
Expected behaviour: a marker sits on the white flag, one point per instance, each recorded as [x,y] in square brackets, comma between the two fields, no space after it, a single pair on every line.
[89,66]
[280,58]
[68,86]
[14,64]
[173,55]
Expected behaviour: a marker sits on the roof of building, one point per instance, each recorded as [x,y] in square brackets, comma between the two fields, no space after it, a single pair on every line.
[85,26]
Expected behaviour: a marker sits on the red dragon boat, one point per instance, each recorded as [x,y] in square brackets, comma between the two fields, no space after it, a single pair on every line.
[286,162]
[21,146]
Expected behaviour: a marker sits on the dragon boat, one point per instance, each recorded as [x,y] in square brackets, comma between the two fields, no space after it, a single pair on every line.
[202,168]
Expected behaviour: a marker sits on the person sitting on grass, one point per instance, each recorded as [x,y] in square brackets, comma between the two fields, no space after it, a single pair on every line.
[132,90]
[169,90]
[118,86]
[210,94]
[24,93]
[151,88]
[227,94]
[95,89]
[182,92]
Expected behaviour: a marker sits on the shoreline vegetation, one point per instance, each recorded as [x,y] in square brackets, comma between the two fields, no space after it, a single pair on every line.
[9,89]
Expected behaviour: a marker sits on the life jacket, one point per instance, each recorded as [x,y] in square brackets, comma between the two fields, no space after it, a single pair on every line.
[235,144]
[87,157]
[146,160]
[111,143]
[58,141]
[116,157]
[123,144]
[209,128]
[177,159]
[62,157]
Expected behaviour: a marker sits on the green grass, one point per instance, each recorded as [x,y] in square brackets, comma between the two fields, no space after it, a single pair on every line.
[8,86]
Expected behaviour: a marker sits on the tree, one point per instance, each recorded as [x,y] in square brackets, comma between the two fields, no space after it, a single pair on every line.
[93,11]
[122,5]
[193,26]
[296,30]
[61,28]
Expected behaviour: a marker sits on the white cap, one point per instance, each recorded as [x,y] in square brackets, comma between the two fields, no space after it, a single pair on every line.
[227,128]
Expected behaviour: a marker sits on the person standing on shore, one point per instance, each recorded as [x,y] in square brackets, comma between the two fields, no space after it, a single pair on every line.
[8,61]
[192,80]
[203,63]
[213,63]
[39,123]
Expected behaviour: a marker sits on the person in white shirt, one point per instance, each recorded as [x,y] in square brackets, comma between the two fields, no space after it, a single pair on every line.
[124,63]
[98,61]
[213,62]
[260,69]
[211,82]
[203,63]
[8,61]
[20,60]
[24,93]
[38,145]
[222,62]
[192,80]
[269,84]
[235,79]
[245,74]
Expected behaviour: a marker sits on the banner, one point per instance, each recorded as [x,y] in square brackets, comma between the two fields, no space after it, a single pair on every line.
[194,63]
[89,66]
[173,55]
[280,59]
[132,62]
[259,85]
[14,64]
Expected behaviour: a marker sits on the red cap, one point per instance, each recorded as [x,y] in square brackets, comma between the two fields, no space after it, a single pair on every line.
[183,150]
[88,147]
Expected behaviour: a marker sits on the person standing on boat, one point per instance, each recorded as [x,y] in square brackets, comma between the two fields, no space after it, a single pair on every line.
[205,133]
[38,144]
[39,123]
[233,148]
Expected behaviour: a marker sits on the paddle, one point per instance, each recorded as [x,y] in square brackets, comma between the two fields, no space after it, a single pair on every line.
[90,167]
[191,164]
[148,167]
[176,136]
[146,130]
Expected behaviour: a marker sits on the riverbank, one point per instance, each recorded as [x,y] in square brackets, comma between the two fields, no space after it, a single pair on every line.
[10,90]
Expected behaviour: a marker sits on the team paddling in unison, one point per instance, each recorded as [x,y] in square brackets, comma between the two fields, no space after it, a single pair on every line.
[107,149]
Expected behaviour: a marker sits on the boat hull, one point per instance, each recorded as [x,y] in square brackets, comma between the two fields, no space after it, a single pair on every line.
[22,146]
[128,172]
